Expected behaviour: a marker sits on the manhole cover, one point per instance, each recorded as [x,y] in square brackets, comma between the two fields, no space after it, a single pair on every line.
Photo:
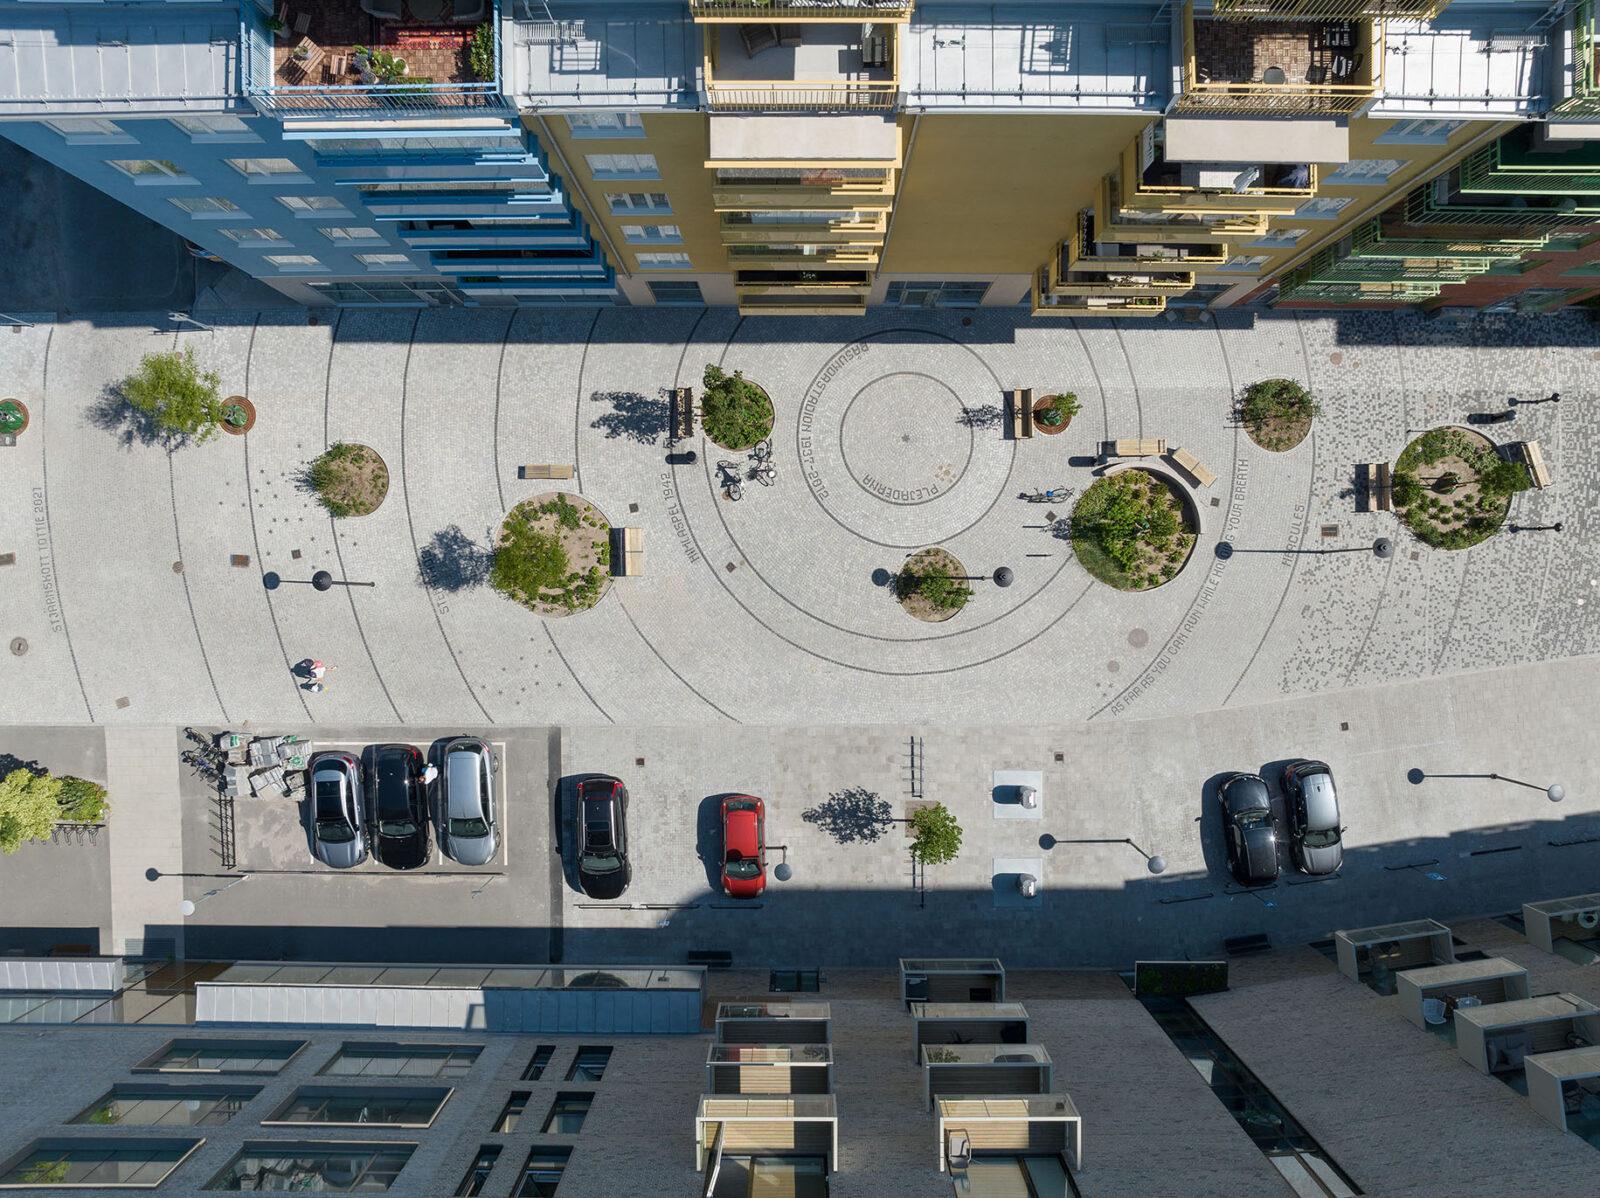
[1113,665]
[19,645]
[1138,638]
[1336,357]
[177,567]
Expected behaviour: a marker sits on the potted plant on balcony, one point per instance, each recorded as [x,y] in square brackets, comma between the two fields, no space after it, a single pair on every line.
[380,64]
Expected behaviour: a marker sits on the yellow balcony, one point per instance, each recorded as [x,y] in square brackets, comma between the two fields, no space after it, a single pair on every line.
[1324,10]
[773,199]
[1123,224]
[1280,68]
[1065,279]
[821,257]
[1088,250]
[1150,183]
[869,231]
[707,12]
[1046,304]
[802,68]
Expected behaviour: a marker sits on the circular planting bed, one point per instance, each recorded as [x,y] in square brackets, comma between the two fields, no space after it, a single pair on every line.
[1277,413]
[734,412]
[238,415]
[553,555]
[930,586]
[349,479]
[13,416]
[1133,530]
[1452,490]
[1053,413]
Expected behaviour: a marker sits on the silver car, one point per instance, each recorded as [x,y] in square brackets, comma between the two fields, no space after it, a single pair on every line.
[338,836]
[470,831]
[1316,839]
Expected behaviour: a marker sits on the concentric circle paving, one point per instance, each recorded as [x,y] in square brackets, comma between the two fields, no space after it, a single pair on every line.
[906,439]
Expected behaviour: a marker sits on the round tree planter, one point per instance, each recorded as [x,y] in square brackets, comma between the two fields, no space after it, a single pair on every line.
[918,605]
[1042,405]
[587,548]
[239,401]
[14,417]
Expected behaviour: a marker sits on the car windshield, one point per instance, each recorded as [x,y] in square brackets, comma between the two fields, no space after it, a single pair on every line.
[1321,840]
[333,831]
[602,865]
[1254,819]
[397,827]
[468,828]
[743,867]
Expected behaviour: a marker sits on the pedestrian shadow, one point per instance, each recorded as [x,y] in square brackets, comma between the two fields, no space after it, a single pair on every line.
[854,815]
[633,416]
[452,561]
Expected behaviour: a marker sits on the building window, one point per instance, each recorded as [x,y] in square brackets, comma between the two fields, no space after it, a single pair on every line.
[352,233]
[401,1060]
[567,1113]
[478,1172]
[338,1168]
[214,128]
[98,1163]
[542,1173]
[91,130]
[1279,239]
[663,261]
[511,1113]
[207,207]
[1322,208]
[1364,172]
[936,294]
[256,237]
[624,202]
[176,1106]
[1418,133]
[590,1063]
[385,261]
[653,234]
[605,124]
[622,166]
[538,1062]
[303,205]
[221,1056]
[1245,262]
[259,170]
[685,292]
[151,170]
[348,1107]
[295,262]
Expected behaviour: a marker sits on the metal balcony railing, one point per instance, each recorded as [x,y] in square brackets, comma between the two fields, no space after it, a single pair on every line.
[1423,208]
[823,96]
[1324,10]
[1585,97]
[800,10]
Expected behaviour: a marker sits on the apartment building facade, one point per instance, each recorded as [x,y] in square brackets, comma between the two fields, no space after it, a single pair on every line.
[790,156]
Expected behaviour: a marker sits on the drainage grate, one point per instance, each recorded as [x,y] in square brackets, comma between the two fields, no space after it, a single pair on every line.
[8,559]
[240,559]
[1330,530]
[123,702]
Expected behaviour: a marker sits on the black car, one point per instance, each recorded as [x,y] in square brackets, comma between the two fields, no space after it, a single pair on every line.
[399,807]
[1251,833]
[603,871]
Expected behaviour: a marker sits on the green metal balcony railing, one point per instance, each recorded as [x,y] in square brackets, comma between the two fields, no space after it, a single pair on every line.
[1584,99]
[1513,163]
[1532,216]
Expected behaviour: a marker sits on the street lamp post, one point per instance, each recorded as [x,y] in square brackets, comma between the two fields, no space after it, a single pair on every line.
[187,906]
[321,581]
[1555,792]
[1154,862]
[1556,527]
[1003,577]
[1382,548]
[185,318]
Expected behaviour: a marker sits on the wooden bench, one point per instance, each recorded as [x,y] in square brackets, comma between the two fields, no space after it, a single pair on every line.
[1383,487]
[545,470]
[1534,459]
[1130,447]
[682,413]
[1191,466]
[627,555]
[1019,406]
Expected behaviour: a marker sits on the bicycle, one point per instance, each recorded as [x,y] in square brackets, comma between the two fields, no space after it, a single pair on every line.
[730,475]
[766,474]
[1053,495]
[761,451]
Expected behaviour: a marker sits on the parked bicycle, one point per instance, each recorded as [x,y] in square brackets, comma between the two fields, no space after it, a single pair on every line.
[730,476]
[1053,495]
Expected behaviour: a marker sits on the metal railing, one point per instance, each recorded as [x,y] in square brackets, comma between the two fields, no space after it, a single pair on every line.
[1296,99]
[1585,97]
[1423,208]
[1324,10]
[800,10]
[865,94]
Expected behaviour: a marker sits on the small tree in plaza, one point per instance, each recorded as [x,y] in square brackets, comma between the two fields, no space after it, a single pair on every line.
[29,808]
[734,411]
[175,395]
[82,801]
[936,837]
[1277,413]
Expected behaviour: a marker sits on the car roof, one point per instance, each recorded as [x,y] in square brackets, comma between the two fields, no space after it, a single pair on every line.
[463,781]
[741,833]
[1260,850]
[1322,803]
[1245,792]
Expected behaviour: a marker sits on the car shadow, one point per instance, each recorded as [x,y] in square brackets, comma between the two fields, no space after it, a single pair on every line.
[708,839]
[1213,845]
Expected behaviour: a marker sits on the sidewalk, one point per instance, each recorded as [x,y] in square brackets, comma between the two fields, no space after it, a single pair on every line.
[142,771]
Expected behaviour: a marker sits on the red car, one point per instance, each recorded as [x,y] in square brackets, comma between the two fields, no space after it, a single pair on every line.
[744,847]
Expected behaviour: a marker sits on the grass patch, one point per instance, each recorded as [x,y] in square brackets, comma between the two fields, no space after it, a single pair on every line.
[349,479]
[1452,490]
[1130,531]
[930,585]
[1277,413]
[553,555]
[735,412]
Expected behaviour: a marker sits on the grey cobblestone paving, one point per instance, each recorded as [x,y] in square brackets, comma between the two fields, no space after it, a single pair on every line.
[765,611]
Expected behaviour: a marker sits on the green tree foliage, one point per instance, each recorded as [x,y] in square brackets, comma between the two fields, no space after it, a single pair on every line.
[1404,488]
[527,561]
[735,412]
[936,835]
[480,54]
[930,579]
[82,801]
[29,806]
[1277,399]
[175,395]
[1504,479]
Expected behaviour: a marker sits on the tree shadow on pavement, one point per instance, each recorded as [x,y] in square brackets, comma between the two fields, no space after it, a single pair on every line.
[637,417]
[112,413]
[851,816]
[453,561]
[984,416]
[10,763]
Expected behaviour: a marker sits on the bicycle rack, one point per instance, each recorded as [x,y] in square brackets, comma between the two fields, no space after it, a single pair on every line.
[916,767]
[226,839]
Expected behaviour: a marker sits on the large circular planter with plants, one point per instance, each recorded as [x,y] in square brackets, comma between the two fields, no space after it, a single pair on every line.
[238,415]
[349,479]
[13,416]
[1277,414]
[1452,490]
[734,412]
[931,585]
[1053,413]
[1135,529]
[553,555]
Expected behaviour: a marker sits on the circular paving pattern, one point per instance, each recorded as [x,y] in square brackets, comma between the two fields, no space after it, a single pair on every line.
[906,439]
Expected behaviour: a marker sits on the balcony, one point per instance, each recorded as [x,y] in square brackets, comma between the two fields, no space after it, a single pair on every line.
[802,68]
[1046,304]
[1519,162]
[1440,202]
[1281,68]
[1086,251]
[760,189]
[1150,182]
[1126,224]
[1324,10]
[801,257]
[1581,73]
[731,11]
[810,228]
[350,63]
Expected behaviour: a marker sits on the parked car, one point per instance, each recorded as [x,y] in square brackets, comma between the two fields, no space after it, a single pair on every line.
[338,826]
[467,814]
[603,870]
[744,846]
[1251,832]
[1315,837]
[400,807]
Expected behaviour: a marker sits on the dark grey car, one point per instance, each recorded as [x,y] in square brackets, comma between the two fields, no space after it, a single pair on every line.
[1251,832]
[1316,839]
[603,869]
[337,811]
[471,833]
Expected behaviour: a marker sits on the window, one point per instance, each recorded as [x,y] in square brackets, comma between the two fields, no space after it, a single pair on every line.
[97,1162]
[542,1173]
[538,1062]
[567,1113]
[590,1063]
[511,1113]
[623,202]
[150,170]
[684,292]
[1418,133]
[178,1106]
[222,1056]
[1242,262]
[622,166]
[605,124]
[385,261]
[478,1172]
[936,294]
[401,1060]
[302,205]
[657,234]
[255,237]
[336,1168]
[258,169]
[1588,270]
[89,130]
[344,1106]
[206,206]
[663,261]
[1278,239]
[351,233]
[1322,208]
[1364,172]
[295,262]
[217,127]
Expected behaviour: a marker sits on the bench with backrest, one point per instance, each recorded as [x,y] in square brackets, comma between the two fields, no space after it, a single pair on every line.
[1533,458]
[682,413]
[1191,466]
[545,470]
[627,552]
[1020,409]
[1134,447]
[1383,487]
